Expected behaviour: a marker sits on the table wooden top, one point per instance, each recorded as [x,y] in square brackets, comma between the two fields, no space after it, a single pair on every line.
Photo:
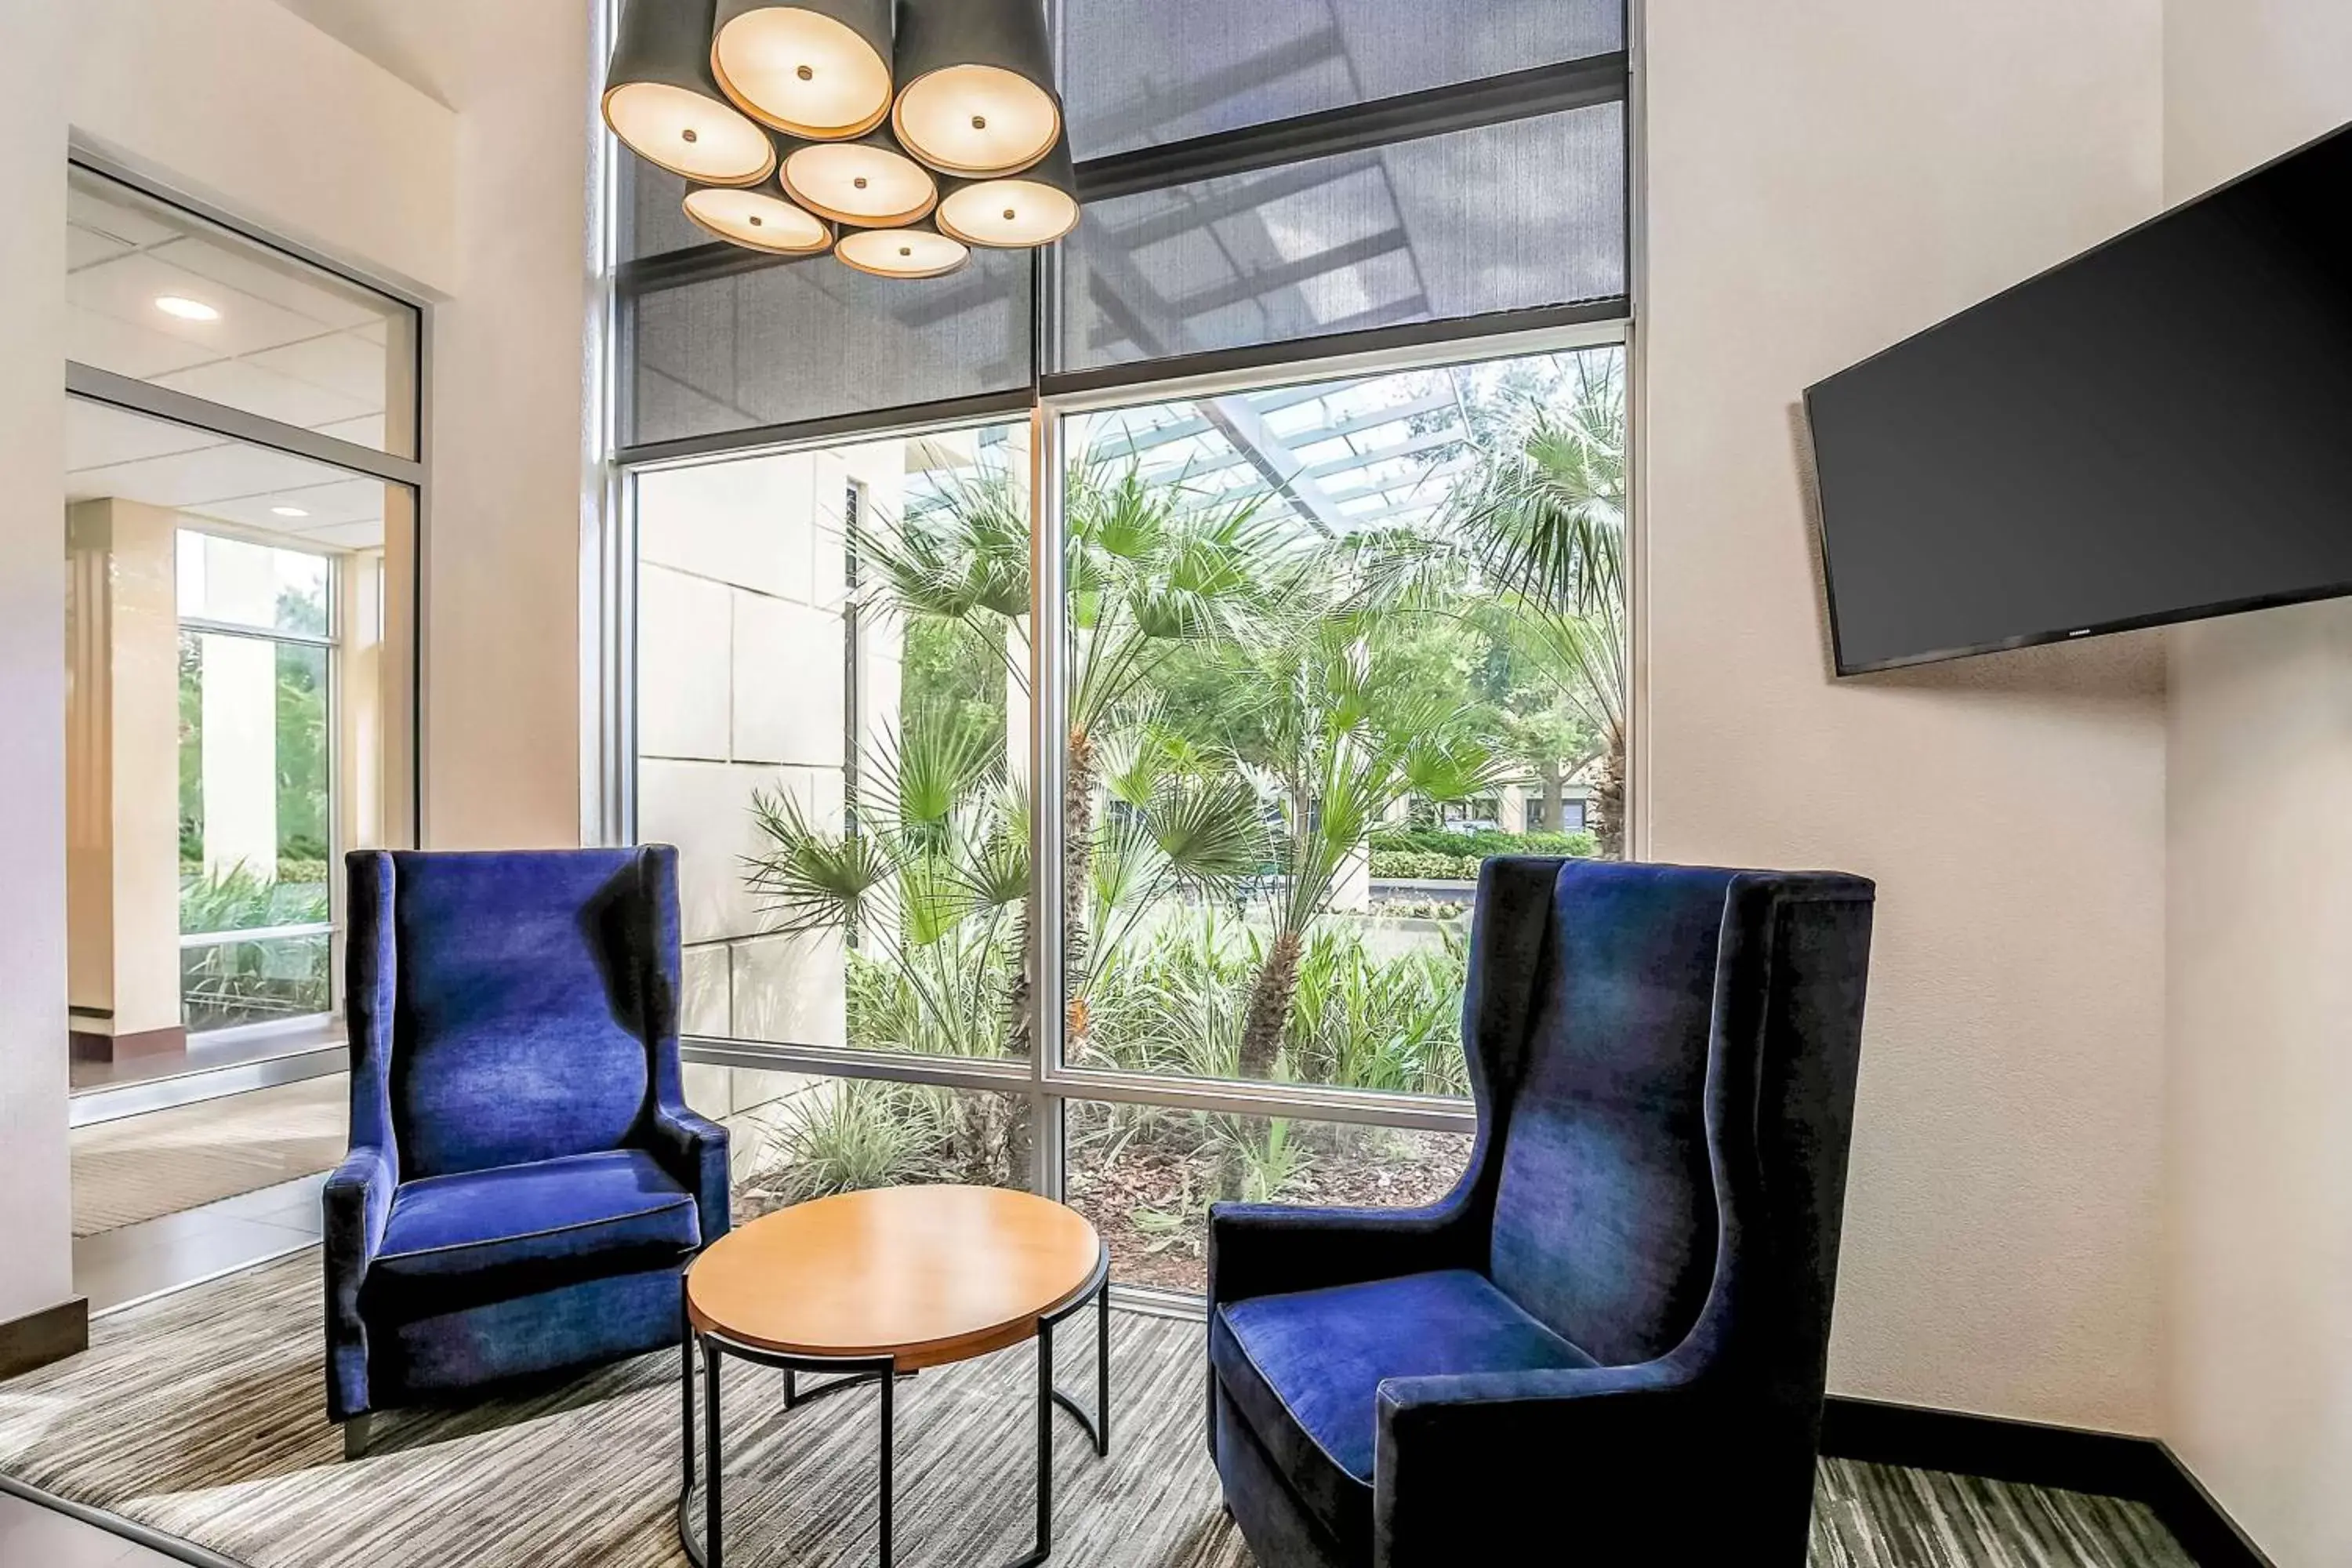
[926,1275]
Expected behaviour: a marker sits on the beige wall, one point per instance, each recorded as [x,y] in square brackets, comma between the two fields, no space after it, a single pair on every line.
[236,102]
[241,102]
[513,501]
[1822,179]
[2258,1364]
[34,1206]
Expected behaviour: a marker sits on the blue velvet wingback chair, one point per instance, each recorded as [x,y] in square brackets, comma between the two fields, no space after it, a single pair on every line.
[1607,1344]
[525,1181]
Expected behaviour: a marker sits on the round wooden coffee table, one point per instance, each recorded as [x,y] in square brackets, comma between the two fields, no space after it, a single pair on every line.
[876,1286]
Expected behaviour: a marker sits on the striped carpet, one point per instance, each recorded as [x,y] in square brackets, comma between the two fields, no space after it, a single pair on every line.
[200,1415]
[143,1167]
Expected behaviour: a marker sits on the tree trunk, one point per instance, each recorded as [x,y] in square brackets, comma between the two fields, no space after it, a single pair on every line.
[1021,996]
[1608,796]
[1077,837]
[1269,1006]
[1555,780]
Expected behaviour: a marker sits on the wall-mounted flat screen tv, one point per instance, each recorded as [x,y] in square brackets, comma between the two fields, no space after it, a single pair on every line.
[2157,430]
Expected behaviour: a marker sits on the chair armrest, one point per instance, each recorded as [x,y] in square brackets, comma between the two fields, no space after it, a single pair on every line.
[356,1202]
[353,1204]
[1269,1249]
[1465,1467]
[693,1150]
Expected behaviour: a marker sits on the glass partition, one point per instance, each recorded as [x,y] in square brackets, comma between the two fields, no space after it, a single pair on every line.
[162,296]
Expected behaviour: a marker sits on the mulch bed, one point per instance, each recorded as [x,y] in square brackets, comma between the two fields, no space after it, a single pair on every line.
[1405,1169]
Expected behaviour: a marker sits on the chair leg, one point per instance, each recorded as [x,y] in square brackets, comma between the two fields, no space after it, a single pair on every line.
[355,1436]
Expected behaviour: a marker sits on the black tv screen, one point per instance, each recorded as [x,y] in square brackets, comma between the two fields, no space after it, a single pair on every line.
[2157,430]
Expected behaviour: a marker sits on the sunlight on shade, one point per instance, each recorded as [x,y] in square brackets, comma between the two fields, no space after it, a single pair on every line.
[761,221]
[902,252]
[977,120]
[802,73]
[1013,213]
[689,134]
[856,183]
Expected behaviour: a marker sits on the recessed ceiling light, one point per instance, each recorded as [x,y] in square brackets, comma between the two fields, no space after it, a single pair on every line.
[185,309]
[288,511]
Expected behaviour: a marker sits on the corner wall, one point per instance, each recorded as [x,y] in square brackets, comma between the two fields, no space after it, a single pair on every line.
[1823,179]
[2258,1351]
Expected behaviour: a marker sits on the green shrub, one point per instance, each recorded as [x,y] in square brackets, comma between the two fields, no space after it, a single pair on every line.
[1418,865]
[1484,842]
[237,899]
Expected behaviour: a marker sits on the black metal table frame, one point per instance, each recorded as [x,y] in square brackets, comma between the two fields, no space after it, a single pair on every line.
[856,1371]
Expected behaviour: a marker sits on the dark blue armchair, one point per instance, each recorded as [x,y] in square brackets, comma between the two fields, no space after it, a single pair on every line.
[1607,1344]
[524,1183]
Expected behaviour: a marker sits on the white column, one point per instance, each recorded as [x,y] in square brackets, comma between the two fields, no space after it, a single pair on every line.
[1511,809]
[241,715]
[122,859]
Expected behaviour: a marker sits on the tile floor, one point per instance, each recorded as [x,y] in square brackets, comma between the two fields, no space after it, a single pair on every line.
[35,1536]
[133,1262]
[116,1269]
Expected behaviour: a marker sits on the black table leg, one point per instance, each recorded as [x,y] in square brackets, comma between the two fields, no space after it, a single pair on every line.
[713,1539]
[1102,1370]
[889,1385]
[713,1348]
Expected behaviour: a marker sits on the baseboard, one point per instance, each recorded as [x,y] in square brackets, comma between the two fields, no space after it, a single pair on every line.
[91,1046]
[40,1338]
[2198,1521]
[2111,1464]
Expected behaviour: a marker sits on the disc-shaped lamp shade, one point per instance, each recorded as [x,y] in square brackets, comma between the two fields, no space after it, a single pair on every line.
[916,250]
[662,103]
[818,70]
[1036,206]
[976,85]
[757,220]
[870,181]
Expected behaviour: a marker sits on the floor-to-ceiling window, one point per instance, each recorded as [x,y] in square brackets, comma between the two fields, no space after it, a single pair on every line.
[241,534]
[1081,689]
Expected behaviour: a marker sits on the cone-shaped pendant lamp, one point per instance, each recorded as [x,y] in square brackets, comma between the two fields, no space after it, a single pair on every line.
[870,181]
[819,70]
[758,220]
[1036,206]
[661,100]
[976,85]
[913,250]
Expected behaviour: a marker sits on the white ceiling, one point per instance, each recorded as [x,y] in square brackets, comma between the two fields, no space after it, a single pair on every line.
[288,343]
[112,454]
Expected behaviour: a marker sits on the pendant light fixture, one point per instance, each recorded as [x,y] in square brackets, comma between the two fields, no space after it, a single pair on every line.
[976,85]
[818,70]
[756,219]
[912,250]
[661,100]
[916,128]
[870,181]
[1036,206]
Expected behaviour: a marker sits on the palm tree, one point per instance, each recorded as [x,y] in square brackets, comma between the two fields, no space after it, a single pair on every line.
[1151,566]
[1546,524]
[1345,753]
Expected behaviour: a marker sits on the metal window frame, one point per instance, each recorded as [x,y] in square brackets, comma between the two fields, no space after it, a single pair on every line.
[1046,1083]
[1363,127]
[91,384]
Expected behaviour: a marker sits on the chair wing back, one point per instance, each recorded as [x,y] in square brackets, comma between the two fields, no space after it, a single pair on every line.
[1670,1011]
[531,999]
